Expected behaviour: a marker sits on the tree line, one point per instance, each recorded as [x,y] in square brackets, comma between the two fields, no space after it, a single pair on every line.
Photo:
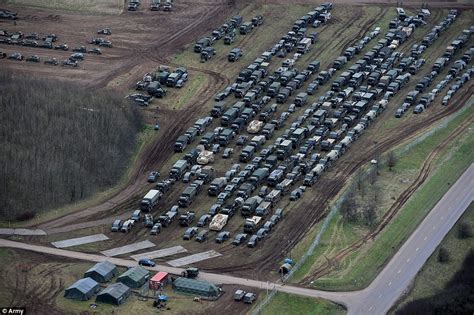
[59,143]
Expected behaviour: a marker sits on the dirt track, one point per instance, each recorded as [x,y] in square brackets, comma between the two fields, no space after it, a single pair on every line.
[142,41]
[425,171]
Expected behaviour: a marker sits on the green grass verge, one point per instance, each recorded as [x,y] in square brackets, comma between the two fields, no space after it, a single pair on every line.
[284,303]
[340,233]
[435,275]
[366,263]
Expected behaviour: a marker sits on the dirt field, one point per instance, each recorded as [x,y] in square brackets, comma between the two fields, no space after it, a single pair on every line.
[23,283]
[144,40]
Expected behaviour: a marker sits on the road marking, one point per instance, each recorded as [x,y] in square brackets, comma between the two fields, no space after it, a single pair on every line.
[399,270]
[417,248]
[408,260]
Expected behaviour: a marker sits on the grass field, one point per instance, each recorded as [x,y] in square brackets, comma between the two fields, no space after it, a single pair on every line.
[89,6]
[435,275]
[358,270]
[284,303]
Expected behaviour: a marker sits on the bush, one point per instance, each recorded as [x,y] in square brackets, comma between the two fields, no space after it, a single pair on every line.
[60,143]
[464,230]
[25,216]
[443,255]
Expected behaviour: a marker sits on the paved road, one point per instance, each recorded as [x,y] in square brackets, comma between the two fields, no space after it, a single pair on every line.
[397,275]
[380,295]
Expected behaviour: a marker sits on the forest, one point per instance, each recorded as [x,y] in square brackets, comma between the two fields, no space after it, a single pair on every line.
[59,143]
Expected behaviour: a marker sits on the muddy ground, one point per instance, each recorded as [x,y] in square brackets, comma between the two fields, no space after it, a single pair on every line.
[144,40]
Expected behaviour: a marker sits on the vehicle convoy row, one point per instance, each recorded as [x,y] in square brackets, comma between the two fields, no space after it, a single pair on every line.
[31,40]
[303,152]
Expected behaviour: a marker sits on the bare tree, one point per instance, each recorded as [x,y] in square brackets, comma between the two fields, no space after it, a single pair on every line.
[370,214]
[59,143]
[391,160]
[373,175]
[349,208]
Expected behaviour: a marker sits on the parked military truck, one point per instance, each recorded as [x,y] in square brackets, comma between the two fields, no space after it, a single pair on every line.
[263,209]
[216,186]
[187,218]
[187,196]
[284,149]
[150,200]
[250,205]
[179,169]
[252,224]
[206,174]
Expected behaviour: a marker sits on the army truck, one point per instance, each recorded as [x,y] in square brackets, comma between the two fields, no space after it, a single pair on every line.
[187,196]
[263,209]
[250,205]
[187,218]
[150,200]
[252,224]
[216,186]
[179,169]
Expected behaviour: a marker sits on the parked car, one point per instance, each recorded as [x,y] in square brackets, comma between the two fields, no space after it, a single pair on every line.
[419,109]
[239,239]
[137,215]
[155,229]
[222,237]
[117,225]
[261,233]
[146,262]
[227,153]
[70,63]
[95,50]
[189,233]
[105,31]
[153,177]
[253,241]
[242,140]
[51,61]
[296,194]
[202,236]
[34,58]
[203,220]
[16,56]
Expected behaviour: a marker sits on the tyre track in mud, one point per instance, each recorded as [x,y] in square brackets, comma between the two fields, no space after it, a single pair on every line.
[333,186]
[425,171]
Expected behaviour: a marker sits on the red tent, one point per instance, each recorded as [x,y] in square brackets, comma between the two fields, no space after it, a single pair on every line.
[158,280]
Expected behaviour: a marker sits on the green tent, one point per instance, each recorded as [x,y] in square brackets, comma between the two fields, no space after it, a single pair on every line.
[102,272]
[115,294]
[82,289]
[196,287]
[134,277]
